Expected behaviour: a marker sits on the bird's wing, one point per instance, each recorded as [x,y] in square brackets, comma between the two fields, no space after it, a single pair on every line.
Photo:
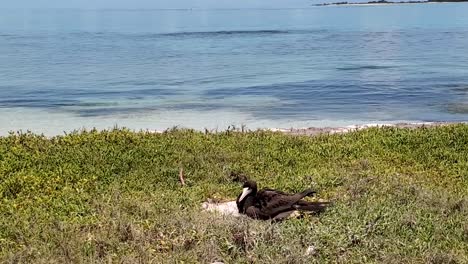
[257,213]
[267,194]
[268,190]
[272,203]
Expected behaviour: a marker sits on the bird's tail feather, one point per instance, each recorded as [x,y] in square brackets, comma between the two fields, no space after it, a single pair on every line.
[316,207]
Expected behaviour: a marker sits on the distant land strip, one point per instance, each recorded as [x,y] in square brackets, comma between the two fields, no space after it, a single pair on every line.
[390,2]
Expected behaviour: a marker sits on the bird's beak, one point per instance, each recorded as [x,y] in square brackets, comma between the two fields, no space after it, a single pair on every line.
[246,191]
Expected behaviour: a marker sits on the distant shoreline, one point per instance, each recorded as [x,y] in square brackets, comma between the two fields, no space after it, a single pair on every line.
[384,2]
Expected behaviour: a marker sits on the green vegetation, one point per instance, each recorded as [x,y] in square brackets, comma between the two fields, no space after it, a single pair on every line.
[400,196]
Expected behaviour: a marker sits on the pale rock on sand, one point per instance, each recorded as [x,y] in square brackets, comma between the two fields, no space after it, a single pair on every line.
[225,208]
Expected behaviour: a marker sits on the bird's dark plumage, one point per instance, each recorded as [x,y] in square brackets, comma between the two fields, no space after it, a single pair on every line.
[273,204]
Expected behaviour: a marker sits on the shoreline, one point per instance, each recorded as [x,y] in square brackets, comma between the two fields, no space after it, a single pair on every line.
[296,131]
[313,131]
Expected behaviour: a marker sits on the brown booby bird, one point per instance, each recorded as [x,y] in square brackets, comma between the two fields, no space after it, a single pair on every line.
[273,204]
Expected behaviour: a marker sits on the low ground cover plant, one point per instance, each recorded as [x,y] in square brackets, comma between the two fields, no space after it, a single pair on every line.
[399,196]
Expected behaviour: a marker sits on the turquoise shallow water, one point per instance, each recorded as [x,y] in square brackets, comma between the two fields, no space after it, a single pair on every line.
[65,69]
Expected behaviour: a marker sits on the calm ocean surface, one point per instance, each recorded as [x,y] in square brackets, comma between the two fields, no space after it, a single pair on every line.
[152,69]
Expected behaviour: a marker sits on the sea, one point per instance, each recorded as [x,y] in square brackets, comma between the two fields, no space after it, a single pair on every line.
[63,70]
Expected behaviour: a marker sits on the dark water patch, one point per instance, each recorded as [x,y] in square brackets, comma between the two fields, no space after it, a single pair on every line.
[181,35]
[200,106]
[90,36]
[84,98]
[459,88]
[29,36]
[326,97]
[66,94]
[224,33]
[96,104]
[110,111]
[364,67]
[119,94]
[458,108]
[136,83]
[308,90]
[37,103]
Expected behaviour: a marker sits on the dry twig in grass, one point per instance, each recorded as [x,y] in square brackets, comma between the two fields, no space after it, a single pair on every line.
[181,176]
